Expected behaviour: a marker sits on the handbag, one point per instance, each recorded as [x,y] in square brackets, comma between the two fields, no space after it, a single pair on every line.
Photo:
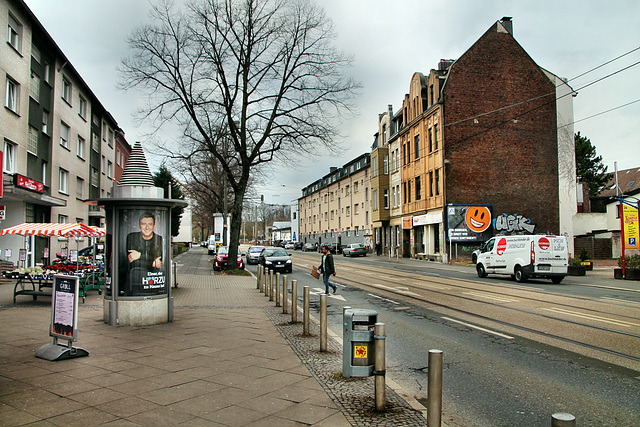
[314,272]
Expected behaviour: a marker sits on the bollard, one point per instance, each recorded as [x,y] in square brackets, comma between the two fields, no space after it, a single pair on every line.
[285,294]
[175,275]
[265,272]
[305,309]
[270,291]
[323,322]
[563,420]
[259,277]
[434,389]
[380,366]
[294,301]
[277,289]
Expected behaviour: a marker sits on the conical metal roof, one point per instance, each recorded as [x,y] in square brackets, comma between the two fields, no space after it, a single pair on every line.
[136,172]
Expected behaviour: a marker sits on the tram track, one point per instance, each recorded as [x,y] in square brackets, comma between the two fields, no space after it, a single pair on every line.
[408,286]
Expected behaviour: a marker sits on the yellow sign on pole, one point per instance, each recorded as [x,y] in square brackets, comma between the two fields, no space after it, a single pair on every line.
[631,227]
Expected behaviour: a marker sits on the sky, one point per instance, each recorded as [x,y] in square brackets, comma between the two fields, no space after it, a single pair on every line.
[389,42]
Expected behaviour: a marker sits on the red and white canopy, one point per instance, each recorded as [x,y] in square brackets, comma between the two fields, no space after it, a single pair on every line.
[52,229]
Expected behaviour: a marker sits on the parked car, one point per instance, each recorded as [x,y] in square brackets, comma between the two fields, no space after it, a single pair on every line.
[276,259]
[334,248]
[289,245]
[220,260]
[354,249]
[253,254]
[298,245]
[308,247]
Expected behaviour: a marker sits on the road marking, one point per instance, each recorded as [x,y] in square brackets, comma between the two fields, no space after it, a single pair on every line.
[621,300]
[384,299]
[320,291]
[592,317]
[426,285]
[479,328]
[490,297]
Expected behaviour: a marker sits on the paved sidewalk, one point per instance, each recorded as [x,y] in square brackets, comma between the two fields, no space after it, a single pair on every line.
[230,358]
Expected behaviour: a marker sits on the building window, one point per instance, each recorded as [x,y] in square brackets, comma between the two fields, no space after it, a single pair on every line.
[386,199]
[45,173]
[417,146]
[64,135]
[118,157]
[32,143]
[83,108]
[34,87]
[418,189]
[94,177]
[45,122]
[430,184]
[408,156]
[95,142]
[81,147]
[355,187]
[404,192]
[14,36]
[79,188]
[63,219]
[430,140]
[110,140]
[66,90]
[10,153]
[356,209]
[64,181]
[348,210]
[109,169]
[385,164]
[435,136]
[13,95]
[437,182]
[374,195]
[35,54]
[47,72]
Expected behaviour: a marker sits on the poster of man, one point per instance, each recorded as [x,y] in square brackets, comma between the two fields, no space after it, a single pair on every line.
[142,252]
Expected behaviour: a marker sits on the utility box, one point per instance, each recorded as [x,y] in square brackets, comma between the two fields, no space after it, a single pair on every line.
[358,355]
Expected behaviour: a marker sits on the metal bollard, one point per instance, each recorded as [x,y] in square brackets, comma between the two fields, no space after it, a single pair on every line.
[563,420]
[305,322]
[285,294]
[323,323]
[175,275]
[294,301]
[265,272]
[380,366]
[259,277]
[434,389]
[277,289]
[270,290]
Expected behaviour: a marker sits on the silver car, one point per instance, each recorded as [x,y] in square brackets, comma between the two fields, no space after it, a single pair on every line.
[253,254]
[354,249]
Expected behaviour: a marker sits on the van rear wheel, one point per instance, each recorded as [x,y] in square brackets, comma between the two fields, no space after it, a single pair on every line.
[557,279]
[481,271]
[520,276]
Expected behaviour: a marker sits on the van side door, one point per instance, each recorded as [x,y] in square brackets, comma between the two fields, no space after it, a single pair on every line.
[489,255]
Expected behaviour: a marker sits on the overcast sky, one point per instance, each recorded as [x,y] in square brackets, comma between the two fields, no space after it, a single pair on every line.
[390,41]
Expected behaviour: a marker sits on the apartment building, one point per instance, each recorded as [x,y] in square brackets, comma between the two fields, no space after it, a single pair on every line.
[336,208]
[59,142]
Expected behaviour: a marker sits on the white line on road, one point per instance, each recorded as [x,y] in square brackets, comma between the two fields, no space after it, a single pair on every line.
[592,317]
[490,297]
[479,328]
[384,299]
[621,300]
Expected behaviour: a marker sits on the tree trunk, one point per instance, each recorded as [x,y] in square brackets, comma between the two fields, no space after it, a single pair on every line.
[236,224]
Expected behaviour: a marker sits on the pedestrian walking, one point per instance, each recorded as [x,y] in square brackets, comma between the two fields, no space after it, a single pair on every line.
[327,268]
[378,248]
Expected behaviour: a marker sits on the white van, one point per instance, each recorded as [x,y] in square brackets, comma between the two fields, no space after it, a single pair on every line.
[525,257]
[211,245]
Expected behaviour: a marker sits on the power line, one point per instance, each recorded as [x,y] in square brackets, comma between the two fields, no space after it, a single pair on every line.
[600,113]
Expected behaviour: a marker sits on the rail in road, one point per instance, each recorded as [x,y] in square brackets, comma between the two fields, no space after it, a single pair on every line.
[606,327]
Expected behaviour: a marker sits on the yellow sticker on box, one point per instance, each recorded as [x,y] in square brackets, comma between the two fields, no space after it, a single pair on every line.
[360,351]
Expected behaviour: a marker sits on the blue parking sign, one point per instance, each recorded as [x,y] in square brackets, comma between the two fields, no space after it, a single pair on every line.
[632,241]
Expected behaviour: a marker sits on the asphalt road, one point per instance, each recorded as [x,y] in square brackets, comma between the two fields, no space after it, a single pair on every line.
[503,375]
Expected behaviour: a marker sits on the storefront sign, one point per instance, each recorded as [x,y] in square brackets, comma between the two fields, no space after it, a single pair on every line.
[3,211]
[631,227]
[64,307]
[28,183]
[407,222]
[426,219]
[469,223]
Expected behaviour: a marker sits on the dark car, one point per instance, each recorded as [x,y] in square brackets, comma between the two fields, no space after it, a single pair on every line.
[354,249]
[276,259]
[298,245]
[334,248]
[220,260]
[308,247]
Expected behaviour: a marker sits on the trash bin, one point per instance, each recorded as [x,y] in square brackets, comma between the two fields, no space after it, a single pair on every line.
[358,355]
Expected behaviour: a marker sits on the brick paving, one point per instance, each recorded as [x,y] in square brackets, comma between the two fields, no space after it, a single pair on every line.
[230,358]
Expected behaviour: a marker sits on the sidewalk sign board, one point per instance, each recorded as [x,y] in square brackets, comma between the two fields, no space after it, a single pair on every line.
[64,320]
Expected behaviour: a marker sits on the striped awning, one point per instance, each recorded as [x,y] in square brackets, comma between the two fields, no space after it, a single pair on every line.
[51,229]
[98,232]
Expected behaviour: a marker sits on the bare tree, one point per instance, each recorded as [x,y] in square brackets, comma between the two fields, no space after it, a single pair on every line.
[245,80]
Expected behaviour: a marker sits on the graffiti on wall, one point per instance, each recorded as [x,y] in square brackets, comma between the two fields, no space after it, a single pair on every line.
[513,223]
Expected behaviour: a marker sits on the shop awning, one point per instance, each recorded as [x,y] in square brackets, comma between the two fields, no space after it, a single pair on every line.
[52,229]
